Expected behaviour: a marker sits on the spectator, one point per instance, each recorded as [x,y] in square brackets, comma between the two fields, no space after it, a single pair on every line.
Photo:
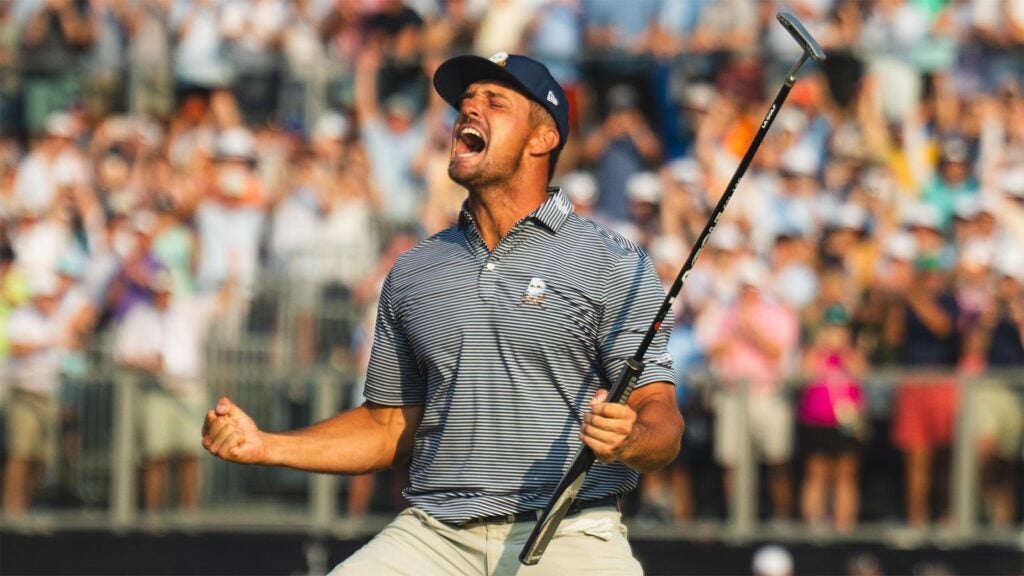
[35,336]
[230,221]
[162,342]
[684,208]
[393,137]
[303,77]
[503,25]
[253,32]
[54,38]
[38,238]
[53,164]
[104,86]
[150,77]
[750,347]
[794,280]
[454,29]
[644,190]
[199,62]
[921,323]
[621,146]
[623,34]
[832,423]
[953,181]
[397,30]
[994,350]
[133,246]
[174,246]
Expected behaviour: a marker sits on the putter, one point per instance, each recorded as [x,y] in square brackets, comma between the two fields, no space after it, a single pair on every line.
[571,483]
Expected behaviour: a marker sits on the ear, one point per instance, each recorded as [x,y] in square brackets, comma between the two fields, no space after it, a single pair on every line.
[543,141]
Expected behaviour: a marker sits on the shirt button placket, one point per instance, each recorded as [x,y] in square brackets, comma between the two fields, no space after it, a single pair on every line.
[488,281]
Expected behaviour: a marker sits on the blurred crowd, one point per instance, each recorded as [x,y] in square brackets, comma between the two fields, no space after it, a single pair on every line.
[161,160]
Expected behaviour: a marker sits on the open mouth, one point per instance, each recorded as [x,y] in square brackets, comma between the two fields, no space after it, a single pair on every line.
[469,142]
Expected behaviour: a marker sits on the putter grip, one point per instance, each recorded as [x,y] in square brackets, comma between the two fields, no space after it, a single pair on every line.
[627,381]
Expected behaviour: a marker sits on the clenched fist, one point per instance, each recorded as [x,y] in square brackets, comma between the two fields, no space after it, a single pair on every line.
[230,433]
[607,427]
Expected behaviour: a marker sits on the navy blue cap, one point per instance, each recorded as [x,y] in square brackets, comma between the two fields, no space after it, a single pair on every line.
[527,75]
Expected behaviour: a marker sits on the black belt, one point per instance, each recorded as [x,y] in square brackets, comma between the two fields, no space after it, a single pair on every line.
[576,507]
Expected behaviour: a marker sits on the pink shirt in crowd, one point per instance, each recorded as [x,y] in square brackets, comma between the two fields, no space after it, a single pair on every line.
[832,384]
[742,359]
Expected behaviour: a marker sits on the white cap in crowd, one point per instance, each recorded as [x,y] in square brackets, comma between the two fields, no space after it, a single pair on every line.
[727,236]
[236,144]
[1010,262]
[61,125]
[752,272]
[800,160]
[685,171]
[977,252]
[644,187]
[851,216]
[967,207]
[667,250]
[901,246]
[581,186]
[1012,181]
[791,120]
[331,126]
[43,284]
[921,215]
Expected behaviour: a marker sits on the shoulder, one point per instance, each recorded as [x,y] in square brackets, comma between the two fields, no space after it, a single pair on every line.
[595,240]
[427,255]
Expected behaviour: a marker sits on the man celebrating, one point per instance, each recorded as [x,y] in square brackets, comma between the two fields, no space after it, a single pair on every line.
[494,343]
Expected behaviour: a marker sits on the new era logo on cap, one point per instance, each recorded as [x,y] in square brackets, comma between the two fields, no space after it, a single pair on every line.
[528,76]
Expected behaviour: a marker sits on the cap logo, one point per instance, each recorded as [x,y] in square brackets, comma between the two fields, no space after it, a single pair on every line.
[500,58]
[552,98]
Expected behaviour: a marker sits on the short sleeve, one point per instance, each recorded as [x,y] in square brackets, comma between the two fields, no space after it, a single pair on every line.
[631,300]
[393,377]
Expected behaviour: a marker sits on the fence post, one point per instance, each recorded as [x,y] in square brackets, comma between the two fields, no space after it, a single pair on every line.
[964,472]
[743,511]
[122,456]
[323,489]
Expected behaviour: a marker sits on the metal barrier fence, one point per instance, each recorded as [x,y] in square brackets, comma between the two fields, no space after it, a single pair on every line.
[253,358]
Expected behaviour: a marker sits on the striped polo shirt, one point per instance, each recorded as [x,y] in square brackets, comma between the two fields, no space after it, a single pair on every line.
[504,349]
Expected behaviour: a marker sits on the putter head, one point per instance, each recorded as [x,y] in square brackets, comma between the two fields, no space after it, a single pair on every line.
[801,35]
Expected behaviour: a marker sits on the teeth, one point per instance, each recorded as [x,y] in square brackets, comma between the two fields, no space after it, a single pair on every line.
[473,131]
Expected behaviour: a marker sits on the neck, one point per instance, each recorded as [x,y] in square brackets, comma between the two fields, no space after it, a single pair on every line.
[496,209]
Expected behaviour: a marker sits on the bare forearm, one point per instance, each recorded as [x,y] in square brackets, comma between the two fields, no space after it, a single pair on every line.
[361,440]
[654,442]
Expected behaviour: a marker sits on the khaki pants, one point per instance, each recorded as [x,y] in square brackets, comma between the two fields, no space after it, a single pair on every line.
[31,425]
[591,542]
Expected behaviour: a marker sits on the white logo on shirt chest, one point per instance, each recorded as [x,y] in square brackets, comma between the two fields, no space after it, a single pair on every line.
[535,292]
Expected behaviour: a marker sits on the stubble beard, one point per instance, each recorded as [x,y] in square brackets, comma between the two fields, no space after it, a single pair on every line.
[484,174]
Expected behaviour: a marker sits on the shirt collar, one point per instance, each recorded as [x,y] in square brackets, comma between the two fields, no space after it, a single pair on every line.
[552,213]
